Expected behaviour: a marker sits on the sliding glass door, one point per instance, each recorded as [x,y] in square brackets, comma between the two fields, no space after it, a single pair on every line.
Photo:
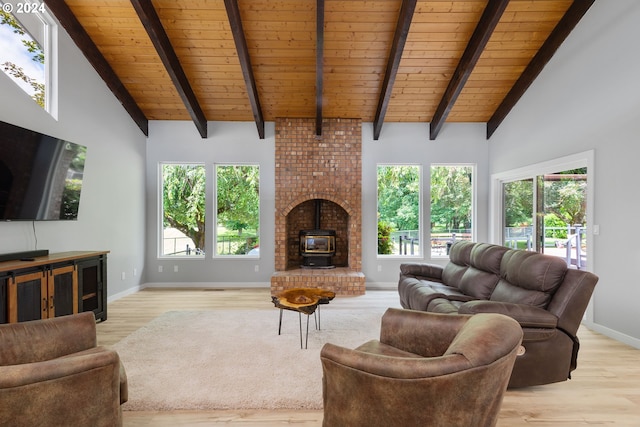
[546,212]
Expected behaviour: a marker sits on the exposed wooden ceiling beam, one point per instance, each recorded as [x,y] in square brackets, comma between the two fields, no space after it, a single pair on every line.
[488,21]
[151,22]
[572,16]
[319,63]
[400,37]
[233,12]
[80,37]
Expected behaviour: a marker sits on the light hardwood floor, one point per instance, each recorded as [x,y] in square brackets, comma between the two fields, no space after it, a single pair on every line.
[604,391]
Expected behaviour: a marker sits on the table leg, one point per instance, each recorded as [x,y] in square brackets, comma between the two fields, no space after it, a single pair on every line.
[300,322]
[280,323]
[306,343]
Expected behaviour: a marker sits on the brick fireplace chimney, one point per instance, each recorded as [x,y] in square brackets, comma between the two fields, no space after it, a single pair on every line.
[327,168]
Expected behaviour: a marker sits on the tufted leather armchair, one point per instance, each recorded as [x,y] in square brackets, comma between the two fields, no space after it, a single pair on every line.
[52,373]
[427,369]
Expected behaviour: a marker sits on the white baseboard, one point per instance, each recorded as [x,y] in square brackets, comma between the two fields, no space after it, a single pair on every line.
[382,286]
[122,294]
[205,285]
[618,336]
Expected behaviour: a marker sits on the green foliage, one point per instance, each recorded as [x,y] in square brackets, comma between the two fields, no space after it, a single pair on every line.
[399,196]
[238,202]
[551,221]
[70,199]
[451,197]
[566,197]
[518,203]
[37,55]
[183,200]
[385,244]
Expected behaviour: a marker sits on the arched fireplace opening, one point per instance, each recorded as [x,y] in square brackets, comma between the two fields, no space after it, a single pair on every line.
[317,235]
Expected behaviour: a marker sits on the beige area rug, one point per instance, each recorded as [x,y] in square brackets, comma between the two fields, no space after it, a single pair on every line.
[235,359]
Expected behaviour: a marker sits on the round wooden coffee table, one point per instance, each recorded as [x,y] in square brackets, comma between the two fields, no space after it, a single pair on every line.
[302,300]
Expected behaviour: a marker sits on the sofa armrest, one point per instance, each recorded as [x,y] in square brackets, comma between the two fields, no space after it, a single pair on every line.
[71,391]
[40,340]
[429,271]
[406,330]
[336,358]
[46,372]
[528,316]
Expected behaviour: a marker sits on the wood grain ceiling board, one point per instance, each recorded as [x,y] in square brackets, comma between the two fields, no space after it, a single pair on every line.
[281,39]
[115,28]
[438,35]
[358,37]
[201,37]
[524,27]
[281,46]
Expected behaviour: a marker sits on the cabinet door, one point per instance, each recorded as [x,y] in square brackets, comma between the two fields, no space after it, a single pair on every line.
[91,278]
[63,291]
[28,297]
[4,302]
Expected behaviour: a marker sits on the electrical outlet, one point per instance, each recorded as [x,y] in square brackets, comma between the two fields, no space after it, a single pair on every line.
[175,268]
[256,268]
[379,267]
[135,272]
[159,269]
[124,276]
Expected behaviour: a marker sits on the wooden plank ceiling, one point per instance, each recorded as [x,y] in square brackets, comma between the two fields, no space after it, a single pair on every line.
[378,60]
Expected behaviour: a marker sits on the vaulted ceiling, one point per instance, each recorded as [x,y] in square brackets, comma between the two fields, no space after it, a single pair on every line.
[379,60]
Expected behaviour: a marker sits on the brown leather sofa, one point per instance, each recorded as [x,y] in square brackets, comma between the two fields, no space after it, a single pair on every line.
[52,373]
[427,369]
[539,291]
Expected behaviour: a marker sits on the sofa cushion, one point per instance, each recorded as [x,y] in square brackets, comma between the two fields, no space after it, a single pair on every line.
[416,294]
[487,257]
[433,272]
[527,316]
[529,278]
[446,305]
[459,261]
[478,283]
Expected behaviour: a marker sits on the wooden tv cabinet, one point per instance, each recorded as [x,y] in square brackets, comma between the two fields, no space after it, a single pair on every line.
[53,285]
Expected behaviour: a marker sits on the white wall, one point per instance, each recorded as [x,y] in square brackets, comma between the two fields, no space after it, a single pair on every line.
[408,143]
[588,98]
[239,142]
[228,142]
[111,215]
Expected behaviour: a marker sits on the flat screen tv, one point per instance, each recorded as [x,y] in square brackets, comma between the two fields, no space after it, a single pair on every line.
[40,176]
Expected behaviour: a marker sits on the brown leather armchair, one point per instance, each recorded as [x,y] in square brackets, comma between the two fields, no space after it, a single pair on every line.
[52,373]
[427,369]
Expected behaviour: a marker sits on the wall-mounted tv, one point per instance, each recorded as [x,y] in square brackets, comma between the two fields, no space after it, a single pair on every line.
[40,176]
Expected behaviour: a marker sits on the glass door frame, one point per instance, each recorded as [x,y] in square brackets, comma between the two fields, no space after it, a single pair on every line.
[575,161]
